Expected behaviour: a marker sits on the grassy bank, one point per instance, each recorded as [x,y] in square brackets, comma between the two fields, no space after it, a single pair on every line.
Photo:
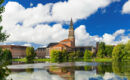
[96,60]
[24,60]
[80,59]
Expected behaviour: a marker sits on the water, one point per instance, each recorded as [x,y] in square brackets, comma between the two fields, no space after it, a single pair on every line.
[70,71]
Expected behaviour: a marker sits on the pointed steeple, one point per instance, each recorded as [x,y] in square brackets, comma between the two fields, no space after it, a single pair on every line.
[71,23]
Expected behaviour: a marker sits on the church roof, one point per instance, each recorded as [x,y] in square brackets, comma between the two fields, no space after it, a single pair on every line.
[66,40]
[60,45]
[71,23]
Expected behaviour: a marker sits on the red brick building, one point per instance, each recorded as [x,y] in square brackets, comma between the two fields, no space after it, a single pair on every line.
[66,44]
[17,51]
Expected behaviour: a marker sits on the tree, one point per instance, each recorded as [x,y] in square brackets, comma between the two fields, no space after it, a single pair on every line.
[127,47]
[108,50]
[56,56]
[64,56]
[101,50]
[3,35]
[30,54]
[119,52]
[71,56]
[87,55]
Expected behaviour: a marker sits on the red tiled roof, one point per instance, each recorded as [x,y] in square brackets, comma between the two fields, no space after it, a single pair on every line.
[65,40]
[60,45]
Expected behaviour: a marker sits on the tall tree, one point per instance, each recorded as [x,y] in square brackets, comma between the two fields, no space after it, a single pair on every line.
[3,36]
[119,52]
[30,54]
[101,50]
[87,55]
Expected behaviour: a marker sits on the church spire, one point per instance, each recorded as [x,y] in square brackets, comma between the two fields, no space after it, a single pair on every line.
[71,23]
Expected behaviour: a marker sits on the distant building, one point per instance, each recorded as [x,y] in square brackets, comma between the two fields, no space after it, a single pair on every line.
[17,51]
[40,52]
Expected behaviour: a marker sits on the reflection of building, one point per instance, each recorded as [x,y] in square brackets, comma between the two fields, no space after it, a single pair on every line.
[17,51]
[64,72]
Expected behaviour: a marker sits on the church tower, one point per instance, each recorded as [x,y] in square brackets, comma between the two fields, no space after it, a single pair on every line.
[71,35]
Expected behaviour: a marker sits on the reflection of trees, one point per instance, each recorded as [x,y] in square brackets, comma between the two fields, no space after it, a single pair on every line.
[88,68]
[102,68]
[29,70]
[4,72]
[121,68]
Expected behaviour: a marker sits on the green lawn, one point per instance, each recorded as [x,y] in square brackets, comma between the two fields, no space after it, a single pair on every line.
[96,60]
[24,60]
[80,59]
[21,60]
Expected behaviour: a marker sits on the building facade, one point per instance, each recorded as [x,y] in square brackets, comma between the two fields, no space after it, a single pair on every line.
[17,51]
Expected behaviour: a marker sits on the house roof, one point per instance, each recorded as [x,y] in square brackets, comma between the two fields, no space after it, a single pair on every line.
[9,46]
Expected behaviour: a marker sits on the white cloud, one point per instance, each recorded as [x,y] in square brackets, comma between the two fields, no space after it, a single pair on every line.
[57,12]
[126,8]
[27,44]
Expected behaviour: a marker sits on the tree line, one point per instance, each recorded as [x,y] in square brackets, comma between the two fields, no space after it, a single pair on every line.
[118,52]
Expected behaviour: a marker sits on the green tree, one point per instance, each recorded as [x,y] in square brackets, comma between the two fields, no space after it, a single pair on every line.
[64,56]
[101,50]
[127,47]
[3,35]
[30,54]
[87,55]
[71,56]
[108,50]
[118,52]
[56,56]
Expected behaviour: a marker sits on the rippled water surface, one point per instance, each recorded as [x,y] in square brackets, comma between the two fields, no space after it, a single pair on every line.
[70,71]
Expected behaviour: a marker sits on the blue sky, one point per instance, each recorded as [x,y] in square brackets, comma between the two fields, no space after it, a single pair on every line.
[107,19]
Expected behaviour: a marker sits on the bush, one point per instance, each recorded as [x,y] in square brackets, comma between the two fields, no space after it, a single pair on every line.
[59,56]
[108,50]
[101,50]
[30,54]
[5,56]
[119,52]
[87,55]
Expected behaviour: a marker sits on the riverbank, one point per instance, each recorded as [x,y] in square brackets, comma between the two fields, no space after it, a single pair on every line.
[80,59]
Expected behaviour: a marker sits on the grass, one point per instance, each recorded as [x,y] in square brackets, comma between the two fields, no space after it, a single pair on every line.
[21,60]
[42,60]
[96,60]
[79,59]
[24,60]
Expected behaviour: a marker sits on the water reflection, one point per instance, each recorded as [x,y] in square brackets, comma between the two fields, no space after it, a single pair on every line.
[70,71]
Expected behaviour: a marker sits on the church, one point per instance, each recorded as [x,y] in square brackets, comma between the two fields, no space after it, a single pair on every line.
[68,44]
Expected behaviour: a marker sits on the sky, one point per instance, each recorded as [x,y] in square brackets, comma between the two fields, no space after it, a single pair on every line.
[40,22]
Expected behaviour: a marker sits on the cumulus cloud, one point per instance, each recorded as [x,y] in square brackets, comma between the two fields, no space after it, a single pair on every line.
[26,25]
[126,8]
[15,13]
[27,44]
